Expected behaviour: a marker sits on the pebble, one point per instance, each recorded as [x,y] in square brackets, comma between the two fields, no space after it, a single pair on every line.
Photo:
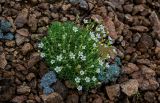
[32,22]
[10,43]
[23,32]
[129,68]
[150,97]
[73,98]
[128,8]
[27,47]
[19,99]
[3,61]
[140,29]
[23,89]
[113,91]
[52,98]
[30,76]
[20,39]
[130,87]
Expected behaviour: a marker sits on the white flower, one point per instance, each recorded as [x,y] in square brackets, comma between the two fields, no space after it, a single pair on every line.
[110,38]
[59,57]
[59,44]
[104,34]
[94,78]
[75,29]
[114,50]
[64,51]
[58,69]
[87,79]
[107,65]
[83,47]
[79,88]
[40,45]
[77,80]
[98,29]
[92,66]
[98,70]
[94,45]
[101,62]
[63,36]
[81,72]
[92,35]
[98,35]
[108,56]
[72,56]
[83,58]
[80,53]
[42,55]
[101,27]
[52,61]
[85,21]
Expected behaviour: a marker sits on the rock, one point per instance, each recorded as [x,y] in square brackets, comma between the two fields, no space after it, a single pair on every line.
[128,18]
[98,100]
[30,101]
[150,97]
[130,87]
[44,6]
[32,22]
[30,76]
[8,36]
[10,43]
[20,39]
[19,67]
[27,47]
[52,98]
[130,68]
[73,98]
[21,19]
[34,59]
[61,89]
[140,29]
[140,1]
[23,32]
[34,1]
[137,9]
[150,84]
[147,72]
[97,18]
[5,26]
[23,89]
[155,24]
[113,91]
[128,8]
[43,21]
[109,25]
[145,43]
[19,99]
[136,37]
[3,61]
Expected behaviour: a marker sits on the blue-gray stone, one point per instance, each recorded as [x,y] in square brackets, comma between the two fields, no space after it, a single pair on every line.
[8,36]
[5,26]
[1,35]
[48,79]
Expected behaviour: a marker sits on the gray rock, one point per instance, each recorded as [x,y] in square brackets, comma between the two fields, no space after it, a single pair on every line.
[23,89]
[150,97]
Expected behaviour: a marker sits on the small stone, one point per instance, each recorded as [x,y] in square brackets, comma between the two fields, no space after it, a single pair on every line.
[136,37]
[128,18]
[44,6]
[150,84]
[52,98]
[20,39]
[74,98]
[128,8]
[140,29]
[5,26]
[27,47]
[147,72]
[137,9]
[19,67]
[34,59]
[19,99]
[130,68]
[21,19]
[113,91]
[23,89]
[140,1]
[23,32]
[32,22]
[150,97]
[8,36]
[66,6]
[130,87]
[109,25]
[30,76]
[10,43]
[98,100]
[3,61]
[43,21]
[145,43]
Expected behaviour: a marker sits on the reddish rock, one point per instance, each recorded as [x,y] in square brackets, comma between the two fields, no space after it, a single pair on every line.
[21,19]
[52,98]
[3,61]
[150,84]
[150,97]
[139,29]
[34,59]
[32,22]
[98,100]
[27,47]
[137,9]
[140,1]
[10,43]
[109,25]
[30,76]
[74,98]
[130,68]
[147,72]
[113,91]
[19,99]
[130,87]
[23,89]
[128,8]
[23,32]
[20,39]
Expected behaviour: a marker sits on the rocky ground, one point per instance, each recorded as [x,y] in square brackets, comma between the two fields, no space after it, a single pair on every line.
[134,24]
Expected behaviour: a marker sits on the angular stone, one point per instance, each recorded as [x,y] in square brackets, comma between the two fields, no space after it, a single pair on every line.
[32,22]
[130,68]
[27,47]
[23,89]
[19,99]
[147,72]
[3,61]
[113,91]
[74,98]
[30,76]
[52,98]
[130,87]
[140,29]
[23,32]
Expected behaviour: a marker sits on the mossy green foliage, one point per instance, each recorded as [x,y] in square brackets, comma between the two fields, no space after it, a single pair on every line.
[69,51]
